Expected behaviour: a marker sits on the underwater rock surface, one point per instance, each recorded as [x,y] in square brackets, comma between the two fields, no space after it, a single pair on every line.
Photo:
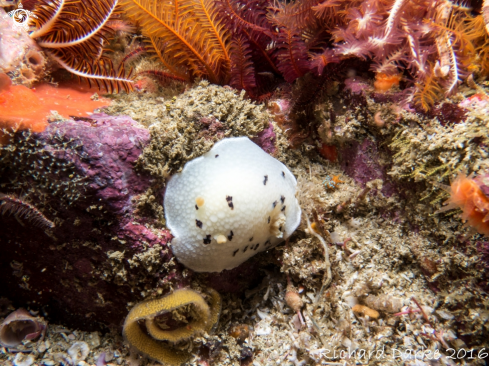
[360,161]
[391,257]
[101,253]
[75,271]
[379,109]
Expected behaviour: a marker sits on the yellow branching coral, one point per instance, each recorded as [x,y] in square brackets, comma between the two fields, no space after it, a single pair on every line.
[150,342]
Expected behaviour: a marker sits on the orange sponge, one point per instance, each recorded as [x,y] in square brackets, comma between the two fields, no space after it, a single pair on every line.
[385,82]
[467,195]
[23,108]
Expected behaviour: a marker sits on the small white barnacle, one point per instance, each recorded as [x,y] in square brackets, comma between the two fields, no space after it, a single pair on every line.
[78,352]
[244,212]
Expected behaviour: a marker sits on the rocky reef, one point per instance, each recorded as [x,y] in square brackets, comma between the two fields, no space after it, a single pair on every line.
[81,175]
[391,256]
[379,109]
[372,258]
[89,177]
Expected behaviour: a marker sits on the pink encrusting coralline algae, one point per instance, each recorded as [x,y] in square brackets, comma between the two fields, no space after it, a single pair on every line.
[89,167]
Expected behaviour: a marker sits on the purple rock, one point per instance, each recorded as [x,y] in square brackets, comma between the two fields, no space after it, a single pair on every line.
[361,161]
[111,146]
[357,85]
[66,271]
[266,140]
[78,272]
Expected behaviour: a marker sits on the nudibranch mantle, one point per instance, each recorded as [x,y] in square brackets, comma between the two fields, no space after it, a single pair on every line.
[230,204]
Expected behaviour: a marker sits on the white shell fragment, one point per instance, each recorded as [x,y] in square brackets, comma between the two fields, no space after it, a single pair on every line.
[78,352]
[229,204]
[22,359]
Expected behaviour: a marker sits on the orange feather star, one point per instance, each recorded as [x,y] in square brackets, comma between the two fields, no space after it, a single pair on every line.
[73,33]
[189,32]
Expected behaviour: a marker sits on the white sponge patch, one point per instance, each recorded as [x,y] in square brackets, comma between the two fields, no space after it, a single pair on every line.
[228,205]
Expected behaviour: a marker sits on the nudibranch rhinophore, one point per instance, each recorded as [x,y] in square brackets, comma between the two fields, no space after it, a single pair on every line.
[230,204]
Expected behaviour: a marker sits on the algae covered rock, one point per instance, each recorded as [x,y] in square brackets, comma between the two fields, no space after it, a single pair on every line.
[100,254]
[189,125]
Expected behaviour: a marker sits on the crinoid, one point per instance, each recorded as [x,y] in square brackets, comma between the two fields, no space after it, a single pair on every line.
[156,46]
[242,72]
[428,91]
[74,33]
[12,205]
[187,32]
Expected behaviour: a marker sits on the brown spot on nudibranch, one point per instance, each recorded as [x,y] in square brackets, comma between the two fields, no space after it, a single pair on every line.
[230,202]
[236,251]
[282,199]
[217,155]
[268,219]
[230,236]
[256,246]
[283,208]
[245,249]
[198,223]
[265,180]
[207,239]
[283,174]
[251,239]
[274,204]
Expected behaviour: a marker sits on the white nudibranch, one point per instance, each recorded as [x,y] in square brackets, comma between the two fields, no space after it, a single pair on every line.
[230,204]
